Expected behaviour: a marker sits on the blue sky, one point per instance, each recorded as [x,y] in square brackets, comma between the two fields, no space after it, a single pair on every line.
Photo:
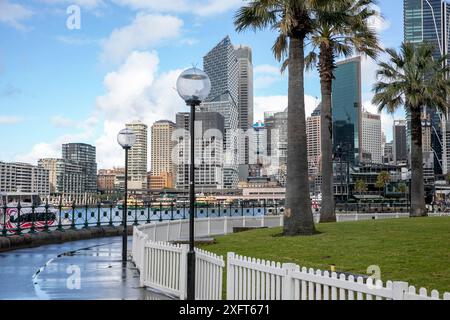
[62,85]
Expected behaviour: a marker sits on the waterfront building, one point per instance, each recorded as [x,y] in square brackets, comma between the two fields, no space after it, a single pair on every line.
[137,157]
[163,167]
[24,177]
[85,156]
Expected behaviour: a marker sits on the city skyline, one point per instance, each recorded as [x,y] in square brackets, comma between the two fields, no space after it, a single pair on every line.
[78,80]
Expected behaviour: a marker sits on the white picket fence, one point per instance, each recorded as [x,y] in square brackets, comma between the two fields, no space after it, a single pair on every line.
[254,279]
[163,266]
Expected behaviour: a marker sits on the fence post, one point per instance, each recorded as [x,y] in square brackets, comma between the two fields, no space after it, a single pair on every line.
[399,288]
[230,277]
[287,281]
[143,263]
[225,225]
[209,226]
[183,271]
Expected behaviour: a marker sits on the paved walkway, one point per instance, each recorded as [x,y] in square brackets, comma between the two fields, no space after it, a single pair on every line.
[81,270]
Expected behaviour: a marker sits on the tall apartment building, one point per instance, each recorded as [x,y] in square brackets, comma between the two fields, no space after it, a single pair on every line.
[137,157]
[428,21]
[209,162]
[347,104]
[163,167]
[24,177]
[314,143]
[400,152]
[276,124]
[67,178]
[245,99]
[222,66]
[372,141]
[85,156]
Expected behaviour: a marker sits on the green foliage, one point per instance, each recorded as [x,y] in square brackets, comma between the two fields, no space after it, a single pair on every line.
[402,188]
[383,178]
[360,186]
[412,79]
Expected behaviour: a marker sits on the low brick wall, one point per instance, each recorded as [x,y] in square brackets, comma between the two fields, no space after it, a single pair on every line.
[54,237]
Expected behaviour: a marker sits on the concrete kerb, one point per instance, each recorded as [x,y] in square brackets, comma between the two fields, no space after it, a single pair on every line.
[42,238]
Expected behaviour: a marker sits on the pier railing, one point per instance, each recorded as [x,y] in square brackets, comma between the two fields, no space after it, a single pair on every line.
[21,218]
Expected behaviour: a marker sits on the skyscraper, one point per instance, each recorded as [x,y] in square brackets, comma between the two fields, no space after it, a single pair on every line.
[209,129]
[314,144]
[347,108]
[137,157]
[399,149]
[245,98]
[428,21]
[372,142]
[161,152]
[221,65]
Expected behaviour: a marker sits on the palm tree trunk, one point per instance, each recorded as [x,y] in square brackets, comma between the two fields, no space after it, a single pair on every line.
[327,211]
[298,218]
[417,186]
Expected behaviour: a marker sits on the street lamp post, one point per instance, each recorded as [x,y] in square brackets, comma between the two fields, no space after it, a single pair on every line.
[193,86]
[126,138]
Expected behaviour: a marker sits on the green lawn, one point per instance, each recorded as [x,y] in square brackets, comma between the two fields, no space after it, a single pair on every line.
[414,250]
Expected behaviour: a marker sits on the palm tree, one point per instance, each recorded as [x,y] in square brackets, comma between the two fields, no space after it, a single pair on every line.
[293,21]
[341,28]
[383,178]
[414,79]
[360,186]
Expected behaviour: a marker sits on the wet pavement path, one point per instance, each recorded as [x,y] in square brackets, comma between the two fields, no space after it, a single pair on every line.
[80,270]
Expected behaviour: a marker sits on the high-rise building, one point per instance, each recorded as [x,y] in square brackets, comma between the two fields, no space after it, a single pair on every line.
[208,148]
[276,124]
[221,65]
[372,141]
[347,103]
[399,143]
[24,177]
[388,156]
[161,154]
[245,99]
[314,143]
[137,157]
[85,156]
[428,21]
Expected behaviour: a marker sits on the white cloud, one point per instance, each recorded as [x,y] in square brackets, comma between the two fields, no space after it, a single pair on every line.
[134,92]
[14,14]
[86,4]
[378,22]
[278,104]
[146,31]
[267,69]
[53,149]
[196,7]
[10,120]
[266,75]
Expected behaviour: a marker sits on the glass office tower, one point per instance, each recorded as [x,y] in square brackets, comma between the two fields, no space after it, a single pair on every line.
[427,21]
[347,109]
